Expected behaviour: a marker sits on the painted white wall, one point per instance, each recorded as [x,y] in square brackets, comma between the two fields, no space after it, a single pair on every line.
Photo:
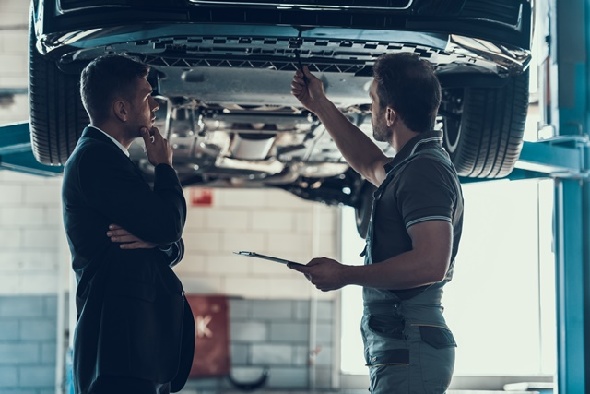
[14,19]
[268,221]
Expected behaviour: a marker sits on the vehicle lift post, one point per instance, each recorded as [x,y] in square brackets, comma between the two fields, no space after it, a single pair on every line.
[567,108]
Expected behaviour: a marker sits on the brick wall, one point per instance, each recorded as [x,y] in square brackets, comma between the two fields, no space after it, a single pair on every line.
[269,222]
[14,19]
[31,234]
[27,344]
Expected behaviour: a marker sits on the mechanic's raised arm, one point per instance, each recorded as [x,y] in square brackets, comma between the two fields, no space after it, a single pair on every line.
[357,148]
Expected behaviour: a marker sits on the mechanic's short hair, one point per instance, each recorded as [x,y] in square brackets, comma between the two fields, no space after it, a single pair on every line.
[105,78]
[408,85]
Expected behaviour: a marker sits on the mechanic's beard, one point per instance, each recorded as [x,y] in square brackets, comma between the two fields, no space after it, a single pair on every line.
[381,132]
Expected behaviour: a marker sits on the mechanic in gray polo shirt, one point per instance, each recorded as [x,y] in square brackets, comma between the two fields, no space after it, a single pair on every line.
[415,227]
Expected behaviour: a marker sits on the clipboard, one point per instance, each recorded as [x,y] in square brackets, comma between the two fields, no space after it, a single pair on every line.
[271,258]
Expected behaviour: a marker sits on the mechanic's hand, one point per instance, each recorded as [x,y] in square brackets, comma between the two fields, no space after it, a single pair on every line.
[158,148]
[308,89]
[325,273]
[118,234]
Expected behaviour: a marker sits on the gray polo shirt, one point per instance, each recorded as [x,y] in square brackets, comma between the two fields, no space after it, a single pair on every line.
[424,188]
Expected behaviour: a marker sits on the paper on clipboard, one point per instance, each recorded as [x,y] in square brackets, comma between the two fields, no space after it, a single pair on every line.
[271,258]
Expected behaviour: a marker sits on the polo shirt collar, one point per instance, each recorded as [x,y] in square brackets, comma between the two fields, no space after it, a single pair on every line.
[412,146]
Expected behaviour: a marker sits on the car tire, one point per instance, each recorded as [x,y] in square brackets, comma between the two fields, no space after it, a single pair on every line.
[57,116]
[483,128]
[363,208]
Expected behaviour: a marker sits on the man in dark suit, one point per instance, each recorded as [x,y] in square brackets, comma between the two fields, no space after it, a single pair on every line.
[135,330]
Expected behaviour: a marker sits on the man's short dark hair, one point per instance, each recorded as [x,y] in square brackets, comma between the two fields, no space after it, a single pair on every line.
[408,85]
[106,77]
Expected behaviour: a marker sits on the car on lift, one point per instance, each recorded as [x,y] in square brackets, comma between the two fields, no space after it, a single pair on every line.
[221,71]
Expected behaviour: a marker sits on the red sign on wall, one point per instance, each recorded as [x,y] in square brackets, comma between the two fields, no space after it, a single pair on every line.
[212,357]
[201,197]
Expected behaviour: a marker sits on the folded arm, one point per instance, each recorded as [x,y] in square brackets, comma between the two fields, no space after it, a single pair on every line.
[174,251]
[112,185]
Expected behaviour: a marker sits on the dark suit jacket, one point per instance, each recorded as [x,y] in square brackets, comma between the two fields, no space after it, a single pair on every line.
[133,319]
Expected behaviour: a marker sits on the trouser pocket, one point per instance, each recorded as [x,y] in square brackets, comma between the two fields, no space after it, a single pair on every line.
[435,356]
[388,357]
[437,337]
[388,371]
[386,352]
[387,326]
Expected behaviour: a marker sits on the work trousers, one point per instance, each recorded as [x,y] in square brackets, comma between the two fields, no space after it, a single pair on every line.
[408,347]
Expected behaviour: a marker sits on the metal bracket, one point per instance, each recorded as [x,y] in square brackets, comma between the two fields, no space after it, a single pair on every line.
[16,154]
[565,157]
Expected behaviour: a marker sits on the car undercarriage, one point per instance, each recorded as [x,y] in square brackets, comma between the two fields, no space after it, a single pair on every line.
[221,71]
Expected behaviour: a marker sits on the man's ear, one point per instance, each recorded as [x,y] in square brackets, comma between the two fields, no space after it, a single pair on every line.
[390,116]
[119,109]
